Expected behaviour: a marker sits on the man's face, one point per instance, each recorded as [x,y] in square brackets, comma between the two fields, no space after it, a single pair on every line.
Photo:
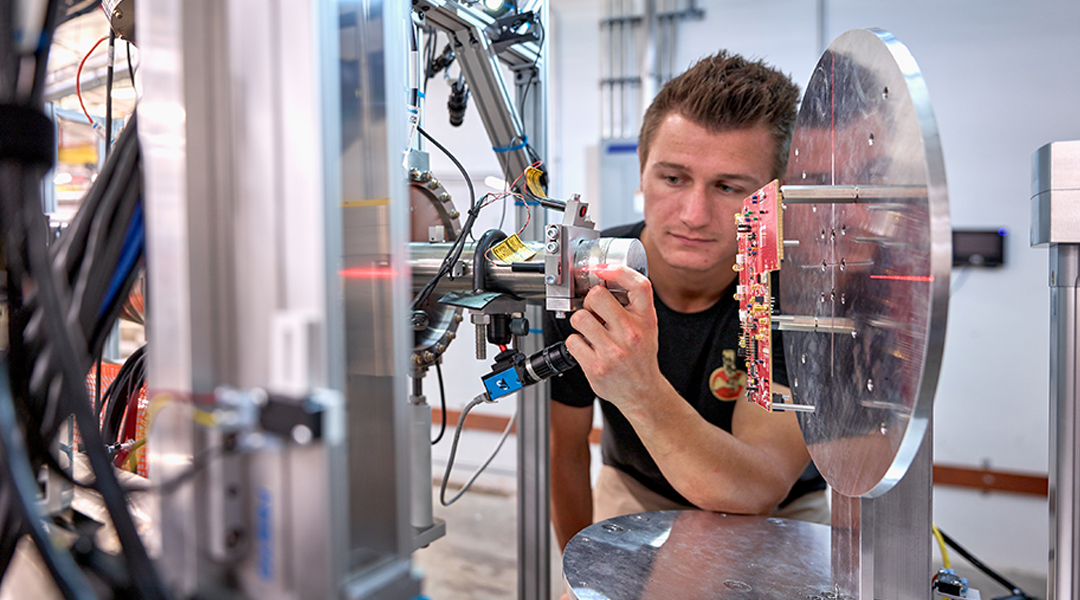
[694,181]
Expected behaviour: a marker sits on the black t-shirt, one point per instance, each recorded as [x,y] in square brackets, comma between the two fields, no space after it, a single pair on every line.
[698,354]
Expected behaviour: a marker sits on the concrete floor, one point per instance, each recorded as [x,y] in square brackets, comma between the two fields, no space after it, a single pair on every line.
[477,558]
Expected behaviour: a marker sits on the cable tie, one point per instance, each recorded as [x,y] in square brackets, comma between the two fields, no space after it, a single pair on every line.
[519,146]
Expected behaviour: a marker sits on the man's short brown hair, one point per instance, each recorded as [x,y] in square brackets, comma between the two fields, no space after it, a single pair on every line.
[725,92]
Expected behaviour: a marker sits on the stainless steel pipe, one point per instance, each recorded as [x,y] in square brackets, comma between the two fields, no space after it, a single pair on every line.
[588,255]
[425,260]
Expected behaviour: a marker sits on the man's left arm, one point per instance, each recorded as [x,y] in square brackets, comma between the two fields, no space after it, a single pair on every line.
[749,470]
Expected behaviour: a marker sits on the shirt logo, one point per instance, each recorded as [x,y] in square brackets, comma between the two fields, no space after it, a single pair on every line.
[727,383]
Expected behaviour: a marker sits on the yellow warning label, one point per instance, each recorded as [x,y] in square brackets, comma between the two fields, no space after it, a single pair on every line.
[532,180]
[512,250]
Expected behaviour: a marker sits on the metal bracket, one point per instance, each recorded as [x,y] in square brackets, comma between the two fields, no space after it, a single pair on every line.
[562,240]
[503,32]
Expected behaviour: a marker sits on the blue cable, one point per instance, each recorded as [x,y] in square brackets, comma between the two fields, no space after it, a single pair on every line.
[134,241]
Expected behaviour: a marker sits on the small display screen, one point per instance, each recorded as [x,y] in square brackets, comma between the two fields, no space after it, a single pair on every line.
[981,248]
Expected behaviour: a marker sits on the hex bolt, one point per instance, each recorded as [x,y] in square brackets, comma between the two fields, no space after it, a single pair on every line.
[552,232]
[549,279]
[552,247]
[481,342]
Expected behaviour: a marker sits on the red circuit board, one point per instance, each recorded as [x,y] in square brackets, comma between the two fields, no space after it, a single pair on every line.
[759,229]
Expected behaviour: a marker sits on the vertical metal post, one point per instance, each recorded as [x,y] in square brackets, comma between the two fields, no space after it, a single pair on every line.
[881,546]
[186,158]
[374,219]
[822,26]
[1055,194]
[625,49]
[647,67]
[533,425]
[1064,574]
[533,484]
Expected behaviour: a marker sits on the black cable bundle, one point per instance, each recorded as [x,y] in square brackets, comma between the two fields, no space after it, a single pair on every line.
[96,258]
[62,301]
[454,254]
[124,388]
[107,233]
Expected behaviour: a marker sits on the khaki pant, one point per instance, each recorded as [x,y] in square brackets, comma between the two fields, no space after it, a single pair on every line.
[616,494]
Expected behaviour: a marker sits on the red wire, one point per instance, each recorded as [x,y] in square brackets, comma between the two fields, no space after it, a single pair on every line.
[78,78]
[502,347]
[131,420]
[528,216]
[532,166]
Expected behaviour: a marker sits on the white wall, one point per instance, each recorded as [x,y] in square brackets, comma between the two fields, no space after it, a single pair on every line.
[1004,79]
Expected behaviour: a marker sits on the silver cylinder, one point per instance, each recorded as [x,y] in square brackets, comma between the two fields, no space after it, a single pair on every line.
[1064,576]
[420,515]
[591,254]
[425,260]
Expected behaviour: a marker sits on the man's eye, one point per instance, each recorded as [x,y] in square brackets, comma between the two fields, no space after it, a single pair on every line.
[726,189]
[672,179]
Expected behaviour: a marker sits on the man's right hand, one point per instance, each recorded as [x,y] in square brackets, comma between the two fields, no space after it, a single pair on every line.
[571,490]
[616,345]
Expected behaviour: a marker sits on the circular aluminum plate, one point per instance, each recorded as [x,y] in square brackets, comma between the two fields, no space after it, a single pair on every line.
[879,266]
[697,554]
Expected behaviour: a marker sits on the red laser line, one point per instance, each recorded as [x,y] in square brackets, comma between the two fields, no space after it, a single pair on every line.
[922,278]
[369,273]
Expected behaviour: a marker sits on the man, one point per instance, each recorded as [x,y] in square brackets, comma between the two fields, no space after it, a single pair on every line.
[678,431]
